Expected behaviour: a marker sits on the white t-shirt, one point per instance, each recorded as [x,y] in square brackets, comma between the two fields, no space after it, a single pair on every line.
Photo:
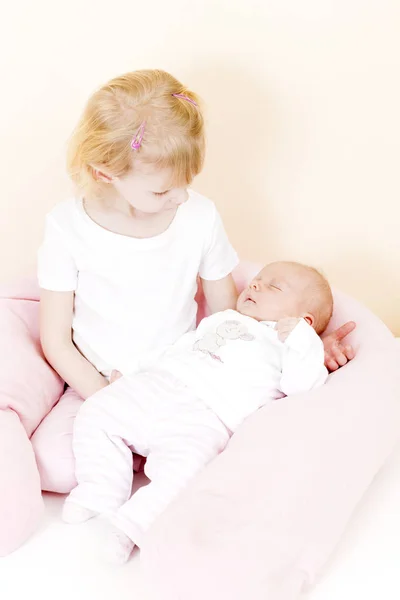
[236,364]
[133,297]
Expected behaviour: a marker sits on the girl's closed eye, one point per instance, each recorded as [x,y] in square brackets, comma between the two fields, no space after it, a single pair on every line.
[160,194]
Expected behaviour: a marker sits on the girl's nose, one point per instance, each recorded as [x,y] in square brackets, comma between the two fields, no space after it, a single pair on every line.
[254,285]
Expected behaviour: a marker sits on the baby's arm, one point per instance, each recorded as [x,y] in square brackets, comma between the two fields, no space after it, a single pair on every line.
[220,294]
[56,310]
[303,360]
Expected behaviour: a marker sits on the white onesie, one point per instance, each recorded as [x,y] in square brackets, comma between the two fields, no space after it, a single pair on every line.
[236,364]
[181,412]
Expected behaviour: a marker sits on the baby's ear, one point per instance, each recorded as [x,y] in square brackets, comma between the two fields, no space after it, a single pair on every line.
[309,318]
[246,337]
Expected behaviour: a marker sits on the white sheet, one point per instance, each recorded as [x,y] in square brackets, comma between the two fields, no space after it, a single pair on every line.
[61,561]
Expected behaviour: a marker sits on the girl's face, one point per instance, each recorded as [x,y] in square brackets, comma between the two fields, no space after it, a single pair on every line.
[146,189]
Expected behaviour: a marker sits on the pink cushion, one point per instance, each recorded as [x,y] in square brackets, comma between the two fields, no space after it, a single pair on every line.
[21,503]
[29,388]
[261,521]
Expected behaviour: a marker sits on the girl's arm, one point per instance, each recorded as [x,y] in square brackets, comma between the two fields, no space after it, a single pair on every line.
[56,310]
[220,294]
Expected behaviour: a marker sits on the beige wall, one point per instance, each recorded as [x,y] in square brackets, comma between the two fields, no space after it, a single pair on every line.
[303,109]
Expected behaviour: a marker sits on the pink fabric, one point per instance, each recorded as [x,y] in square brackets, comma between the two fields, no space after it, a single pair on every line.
[52,444]
[261,521]
[263,518]
[29,388]
[21,505]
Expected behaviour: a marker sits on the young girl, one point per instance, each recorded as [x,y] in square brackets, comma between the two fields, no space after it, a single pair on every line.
[119,264]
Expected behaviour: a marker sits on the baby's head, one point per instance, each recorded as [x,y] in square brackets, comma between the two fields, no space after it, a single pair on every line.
[141,136]
[288,289]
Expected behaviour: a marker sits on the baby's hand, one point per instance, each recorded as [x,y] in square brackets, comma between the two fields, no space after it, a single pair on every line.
[285,326]
[115,375]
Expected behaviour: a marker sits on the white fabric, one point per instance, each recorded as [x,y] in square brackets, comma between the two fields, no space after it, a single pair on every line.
[133,297]
[156,416]
[226,370]
[236,364]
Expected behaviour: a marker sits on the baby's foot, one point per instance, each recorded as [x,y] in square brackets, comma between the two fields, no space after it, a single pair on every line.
[74,513]
[117,546]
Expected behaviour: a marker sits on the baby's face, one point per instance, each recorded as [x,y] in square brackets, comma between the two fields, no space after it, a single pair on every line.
[280,290]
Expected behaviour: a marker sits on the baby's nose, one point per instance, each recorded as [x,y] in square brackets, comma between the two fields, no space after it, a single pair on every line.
[254,286]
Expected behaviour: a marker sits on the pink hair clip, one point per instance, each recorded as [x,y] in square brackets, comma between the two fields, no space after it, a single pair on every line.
[183,97]
[138,138]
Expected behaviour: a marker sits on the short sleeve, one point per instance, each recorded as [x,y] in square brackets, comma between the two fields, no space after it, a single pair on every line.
[219,258]
[56,266]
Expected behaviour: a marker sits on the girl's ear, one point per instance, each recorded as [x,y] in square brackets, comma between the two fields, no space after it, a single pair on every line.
[101,175]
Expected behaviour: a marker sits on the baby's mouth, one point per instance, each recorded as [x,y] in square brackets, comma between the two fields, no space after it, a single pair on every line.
[250,299]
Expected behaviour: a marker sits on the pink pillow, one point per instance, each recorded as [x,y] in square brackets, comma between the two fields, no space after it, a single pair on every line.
[29,388]
[261,521]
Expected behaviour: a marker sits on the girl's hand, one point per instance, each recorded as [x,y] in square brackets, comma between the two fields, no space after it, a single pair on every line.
[285,326]
[336,353]
[115,375]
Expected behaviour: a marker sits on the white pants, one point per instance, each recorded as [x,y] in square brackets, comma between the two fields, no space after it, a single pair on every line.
[156,416]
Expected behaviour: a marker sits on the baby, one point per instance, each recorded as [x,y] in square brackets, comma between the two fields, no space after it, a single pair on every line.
[181,412]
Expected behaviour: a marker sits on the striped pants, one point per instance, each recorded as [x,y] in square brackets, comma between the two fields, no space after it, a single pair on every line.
[156,416]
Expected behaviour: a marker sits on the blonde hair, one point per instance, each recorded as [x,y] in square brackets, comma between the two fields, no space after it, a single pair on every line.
[173,134]
[321,299]
[318,298]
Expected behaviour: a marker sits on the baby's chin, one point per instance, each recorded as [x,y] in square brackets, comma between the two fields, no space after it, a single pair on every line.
[248,309]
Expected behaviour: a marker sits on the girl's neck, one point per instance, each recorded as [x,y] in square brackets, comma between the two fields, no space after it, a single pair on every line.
[118,216]
[116,204]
